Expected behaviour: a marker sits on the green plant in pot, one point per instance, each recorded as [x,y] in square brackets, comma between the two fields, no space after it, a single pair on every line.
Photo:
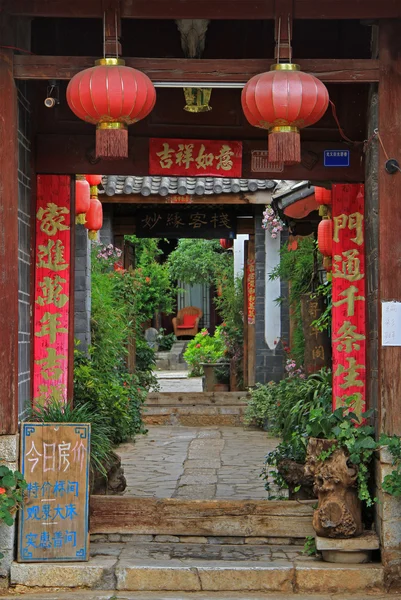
[339,453]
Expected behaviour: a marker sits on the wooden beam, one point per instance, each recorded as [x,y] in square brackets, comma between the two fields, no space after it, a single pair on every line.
[75,154]
[389,375]
[167,516]
[209,9]
[166,70]
[8,248]
[242,198]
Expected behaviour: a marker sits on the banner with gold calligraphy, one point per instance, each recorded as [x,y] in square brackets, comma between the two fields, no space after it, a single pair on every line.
[251,290]
[349,297]
[52,288]
[195,157]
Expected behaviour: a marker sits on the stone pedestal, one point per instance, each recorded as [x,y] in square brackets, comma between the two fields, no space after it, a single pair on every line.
[355,550]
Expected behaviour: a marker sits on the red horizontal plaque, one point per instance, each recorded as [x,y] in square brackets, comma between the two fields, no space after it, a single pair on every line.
[199,158]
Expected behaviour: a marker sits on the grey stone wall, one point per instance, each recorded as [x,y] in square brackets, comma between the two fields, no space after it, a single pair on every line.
[24,248]
[269,363]
[372,250]
[106,233]
[82,331]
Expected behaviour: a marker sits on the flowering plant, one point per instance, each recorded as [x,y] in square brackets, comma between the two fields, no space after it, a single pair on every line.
[204,348]
[271,222]
[292,370]
[12,485]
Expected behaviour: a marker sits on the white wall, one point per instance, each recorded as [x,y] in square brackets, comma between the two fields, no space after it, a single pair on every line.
[239,254]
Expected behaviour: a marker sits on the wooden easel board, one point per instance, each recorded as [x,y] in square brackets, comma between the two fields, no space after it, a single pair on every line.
[53,522]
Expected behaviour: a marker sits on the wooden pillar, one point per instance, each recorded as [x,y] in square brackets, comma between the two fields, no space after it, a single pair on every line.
[8,247]
[389,216]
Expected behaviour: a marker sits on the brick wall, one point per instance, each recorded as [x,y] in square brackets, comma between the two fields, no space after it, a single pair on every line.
[269,363]
[24,248]
[82,331]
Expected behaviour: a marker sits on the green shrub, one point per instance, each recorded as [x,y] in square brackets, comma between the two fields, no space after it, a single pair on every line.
[12,485]
[165,341]
[204,348]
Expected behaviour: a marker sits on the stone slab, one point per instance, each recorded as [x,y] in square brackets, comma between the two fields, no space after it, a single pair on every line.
[369,540]
[96,574]
[317,577]
[160,577]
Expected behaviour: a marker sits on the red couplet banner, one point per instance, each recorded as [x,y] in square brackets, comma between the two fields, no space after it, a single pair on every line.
[195,157]
[251,289]
[52,288]
[349,297]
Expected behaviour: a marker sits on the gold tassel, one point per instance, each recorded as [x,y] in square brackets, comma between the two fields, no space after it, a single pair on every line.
[80,219]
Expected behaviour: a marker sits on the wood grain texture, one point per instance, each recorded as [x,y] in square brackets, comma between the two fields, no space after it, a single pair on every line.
[8,247]
[171,516]
[389,218]
[209,9]
[188,70]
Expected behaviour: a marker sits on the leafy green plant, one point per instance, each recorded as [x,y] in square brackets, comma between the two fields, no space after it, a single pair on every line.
[230,306]
[101,441]
[200,261]
[310,546]
[392,481]
[165,341]
[12,486]
[204,348]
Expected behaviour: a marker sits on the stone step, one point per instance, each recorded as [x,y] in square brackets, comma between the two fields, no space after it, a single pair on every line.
[210,518]
[194,416]
[127,572]
[197,398]
[115,595]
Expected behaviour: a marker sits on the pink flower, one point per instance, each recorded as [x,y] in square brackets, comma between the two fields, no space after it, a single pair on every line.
[205,332]
[198,346]
[2,490]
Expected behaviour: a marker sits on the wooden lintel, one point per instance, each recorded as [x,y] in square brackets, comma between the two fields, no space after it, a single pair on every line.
[208,9]
[226,71]
[76,154]
[166,200]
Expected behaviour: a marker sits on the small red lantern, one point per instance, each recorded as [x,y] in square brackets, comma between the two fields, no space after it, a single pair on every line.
[283,101]
[322,196]
[94,216]
[93,179]
[226,244]
[82,199]
[111,96]
[325,237]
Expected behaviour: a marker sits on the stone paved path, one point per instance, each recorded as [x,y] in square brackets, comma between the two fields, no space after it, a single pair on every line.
[171,381]
[197,463]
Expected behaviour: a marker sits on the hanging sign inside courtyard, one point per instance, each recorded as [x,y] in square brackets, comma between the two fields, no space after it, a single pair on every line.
[52,289]
[187,222]
[349,297]
[196,158]
[53,522]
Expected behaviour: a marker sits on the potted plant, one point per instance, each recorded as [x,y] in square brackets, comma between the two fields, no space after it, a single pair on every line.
[222,376]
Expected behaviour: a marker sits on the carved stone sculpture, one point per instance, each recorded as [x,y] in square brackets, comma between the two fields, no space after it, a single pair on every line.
[338,514]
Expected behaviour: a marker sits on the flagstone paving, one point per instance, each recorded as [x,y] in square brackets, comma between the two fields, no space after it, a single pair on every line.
[200,463]
[178,382]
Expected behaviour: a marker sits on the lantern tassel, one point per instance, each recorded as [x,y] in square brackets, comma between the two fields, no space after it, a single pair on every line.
[111,141]
[80,219]
[285,145]
[92,235]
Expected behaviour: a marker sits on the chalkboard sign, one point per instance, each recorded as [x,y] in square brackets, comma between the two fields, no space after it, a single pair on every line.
[53,523]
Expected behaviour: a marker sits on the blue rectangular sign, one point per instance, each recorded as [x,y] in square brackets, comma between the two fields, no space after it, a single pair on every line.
[336,158]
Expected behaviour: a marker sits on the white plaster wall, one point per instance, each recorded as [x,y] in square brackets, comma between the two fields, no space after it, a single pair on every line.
[239,254]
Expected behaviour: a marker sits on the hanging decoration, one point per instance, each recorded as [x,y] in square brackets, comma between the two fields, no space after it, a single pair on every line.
[82,199]
[325,237]
[197,99]
[93,179]
[226,244]
[111,96]
[94,216]
[322,196]
[283,101]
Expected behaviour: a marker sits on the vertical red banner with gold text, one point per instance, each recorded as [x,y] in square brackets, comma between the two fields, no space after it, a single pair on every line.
[251,290]
[52,288]
[349,297]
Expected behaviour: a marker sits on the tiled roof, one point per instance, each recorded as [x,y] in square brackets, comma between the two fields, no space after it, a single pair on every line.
[164,186]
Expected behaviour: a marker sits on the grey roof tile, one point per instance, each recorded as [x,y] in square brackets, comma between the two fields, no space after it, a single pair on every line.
[163,186]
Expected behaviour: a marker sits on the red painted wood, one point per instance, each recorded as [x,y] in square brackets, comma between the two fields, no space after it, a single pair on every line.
[8,248]
[53,265]
[349,297]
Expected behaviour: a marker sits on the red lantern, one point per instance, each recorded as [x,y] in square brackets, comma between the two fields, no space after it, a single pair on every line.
[283,101]
[322,196]
[226,244]
[93,179]
[82,199]
[94,217]
[325,237]
[112,97]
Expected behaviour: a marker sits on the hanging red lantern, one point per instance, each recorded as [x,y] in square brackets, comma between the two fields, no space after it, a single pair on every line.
[325,237]
[93,179]
[82,199]
[322,196]
[94,216]
[111,96]
[226,244]
[283,101]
